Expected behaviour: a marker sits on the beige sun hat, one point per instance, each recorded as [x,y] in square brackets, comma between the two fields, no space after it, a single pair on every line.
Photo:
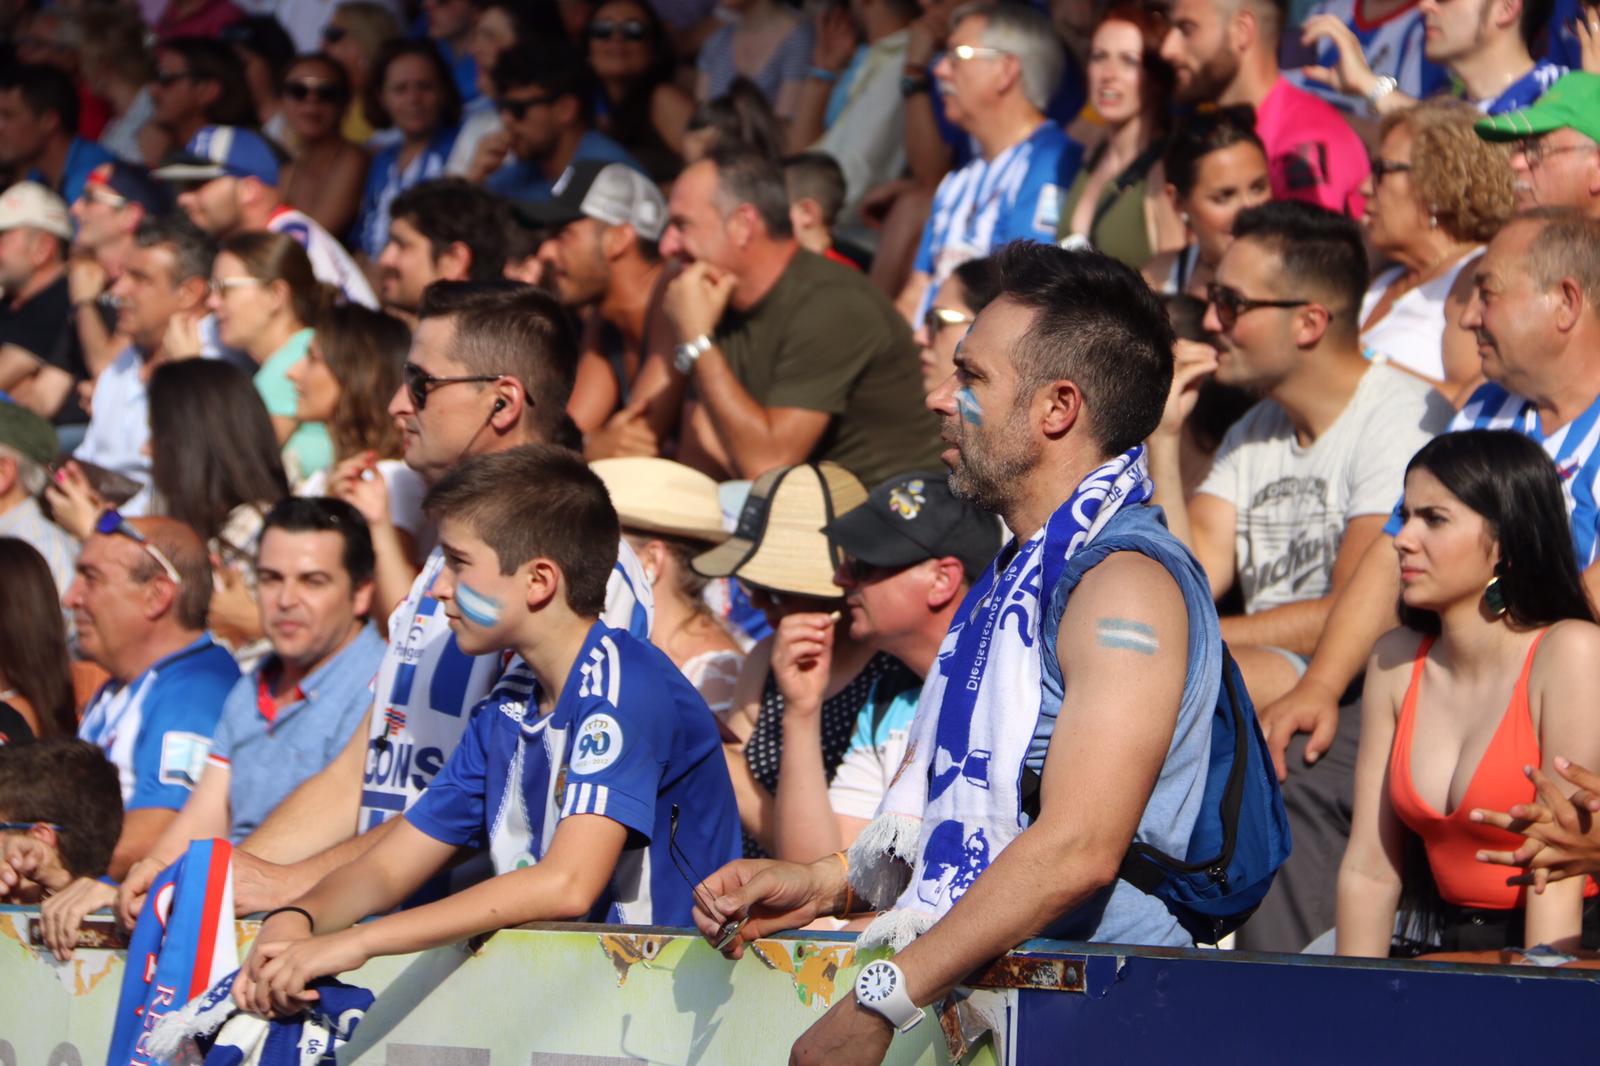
[778,543]
[661,496]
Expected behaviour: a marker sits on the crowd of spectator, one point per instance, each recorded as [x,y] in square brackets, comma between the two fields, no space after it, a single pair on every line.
[405,407]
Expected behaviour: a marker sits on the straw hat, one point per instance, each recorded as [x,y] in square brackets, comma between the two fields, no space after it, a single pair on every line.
[778,543]
[661,496]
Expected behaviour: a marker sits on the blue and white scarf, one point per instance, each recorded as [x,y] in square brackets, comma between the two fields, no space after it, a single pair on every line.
[212,1030]
[955,803]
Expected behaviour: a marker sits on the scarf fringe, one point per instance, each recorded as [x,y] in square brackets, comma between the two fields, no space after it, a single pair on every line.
[882,856]
[897,929]
[201,1016]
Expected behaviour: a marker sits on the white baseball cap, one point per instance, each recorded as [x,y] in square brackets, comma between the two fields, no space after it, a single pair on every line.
[27,203]
[612,193]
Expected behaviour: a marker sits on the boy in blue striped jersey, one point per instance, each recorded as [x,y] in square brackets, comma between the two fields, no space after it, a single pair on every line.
[572,772]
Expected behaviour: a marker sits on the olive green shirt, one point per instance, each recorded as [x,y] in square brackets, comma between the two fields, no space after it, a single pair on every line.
[825,339]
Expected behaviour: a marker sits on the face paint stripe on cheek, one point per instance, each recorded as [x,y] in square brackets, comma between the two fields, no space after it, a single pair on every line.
[475,607]
[967,405]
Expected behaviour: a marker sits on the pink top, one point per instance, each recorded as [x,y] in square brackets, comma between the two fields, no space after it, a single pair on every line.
[206,20]
[1312,153]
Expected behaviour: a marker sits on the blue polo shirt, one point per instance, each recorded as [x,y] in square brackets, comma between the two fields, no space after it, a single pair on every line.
[267,760]
[524,179]
[628,739]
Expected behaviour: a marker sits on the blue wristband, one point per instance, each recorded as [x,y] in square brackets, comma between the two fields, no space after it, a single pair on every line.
[823,74]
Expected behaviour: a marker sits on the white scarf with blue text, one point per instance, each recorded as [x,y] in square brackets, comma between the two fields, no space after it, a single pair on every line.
[955,803]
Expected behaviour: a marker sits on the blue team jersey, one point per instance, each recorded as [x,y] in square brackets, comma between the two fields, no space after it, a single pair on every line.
[629,739]
[1571,448]
[1526,89]
[156,729]
[1392,46]
[989,202]
[1561,47]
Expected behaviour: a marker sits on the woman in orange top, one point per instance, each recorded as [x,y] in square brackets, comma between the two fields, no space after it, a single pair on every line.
[1493,670]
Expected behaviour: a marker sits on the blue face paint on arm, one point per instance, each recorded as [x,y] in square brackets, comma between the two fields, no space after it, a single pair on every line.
[967,404]
[475,607]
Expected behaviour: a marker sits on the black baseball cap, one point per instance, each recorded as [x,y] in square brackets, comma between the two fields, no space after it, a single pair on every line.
[912,517]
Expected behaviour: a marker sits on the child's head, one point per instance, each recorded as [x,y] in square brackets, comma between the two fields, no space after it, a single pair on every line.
[522,530]
[816,192]
[66,784]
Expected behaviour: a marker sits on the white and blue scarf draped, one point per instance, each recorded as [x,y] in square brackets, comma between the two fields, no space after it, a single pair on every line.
[956,802]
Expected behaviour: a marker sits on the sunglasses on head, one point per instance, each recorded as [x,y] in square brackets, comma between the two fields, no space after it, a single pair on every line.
[517,109]
[628,29]
[419,382]
[111,523]
[1230,303]
[323,92]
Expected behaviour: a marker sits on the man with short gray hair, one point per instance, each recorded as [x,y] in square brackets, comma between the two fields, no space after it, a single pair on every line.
[996,78]
[27,445]
[793,358]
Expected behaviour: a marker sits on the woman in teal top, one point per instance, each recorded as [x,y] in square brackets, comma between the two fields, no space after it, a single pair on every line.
[266,298]
[1115,205]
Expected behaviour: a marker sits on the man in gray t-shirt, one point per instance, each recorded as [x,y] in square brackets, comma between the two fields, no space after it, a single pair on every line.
[1304,482]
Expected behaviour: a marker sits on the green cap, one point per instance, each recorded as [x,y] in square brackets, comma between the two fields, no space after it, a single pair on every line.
[1573,101]
[26,433]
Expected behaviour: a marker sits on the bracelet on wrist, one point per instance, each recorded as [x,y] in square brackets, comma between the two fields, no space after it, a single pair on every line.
[1382,87]
[310,921]
[823,74]
[849,896]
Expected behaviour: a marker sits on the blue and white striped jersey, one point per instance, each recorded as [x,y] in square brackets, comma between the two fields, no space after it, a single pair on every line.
[1016,195]
[426,685]
[1571,448]
[628,739]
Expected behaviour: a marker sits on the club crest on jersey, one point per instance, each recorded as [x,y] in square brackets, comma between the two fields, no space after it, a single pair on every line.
[597,745]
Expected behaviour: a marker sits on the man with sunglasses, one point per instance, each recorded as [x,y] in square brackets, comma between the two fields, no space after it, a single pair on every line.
[1303,484]
[199,82]
[541,91]
[1001,68]
[229,181]
[139,603]
[490,368]
[1555,144]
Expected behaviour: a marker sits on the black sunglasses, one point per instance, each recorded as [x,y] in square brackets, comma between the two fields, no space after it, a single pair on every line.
[419,382]
[730,928]
[334,34]
[630,30]
[518,108]
[323,92]
[939,317]
[1382,168]
[1230,304]
[23,827]
[168,78]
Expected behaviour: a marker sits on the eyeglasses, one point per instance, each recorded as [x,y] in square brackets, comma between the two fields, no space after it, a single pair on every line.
[334,34]
[23,827]
[323,92]
[1534,149]
[110,523]
[1230,303]
[629,30]
[965,52]
[939,317]
[1382,168]
[168,78]
[730,928]
[222,285]
[518,108]
[419,382]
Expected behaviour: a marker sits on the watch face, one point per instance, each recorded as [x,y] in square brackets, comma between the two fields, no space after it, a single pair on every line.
[877,982]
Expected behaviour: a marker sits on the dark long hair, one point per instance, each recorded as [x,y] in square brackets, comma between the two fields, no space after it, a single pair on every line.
[395,49]
[212,447]
[630,117]
[364,350]
[1511,483]
[33,639]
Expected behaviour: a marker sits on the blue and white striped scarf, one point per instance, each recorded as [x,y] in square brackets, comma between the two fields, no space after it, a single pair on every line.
[956,802]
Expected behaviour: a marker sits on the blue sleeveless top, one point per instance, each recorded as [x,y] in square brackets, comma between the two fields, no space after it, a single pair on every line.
[1122,914]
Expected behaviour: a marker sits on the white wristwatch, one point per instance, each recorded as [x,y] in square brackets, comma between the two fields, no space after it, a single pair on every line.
[688,353]
[881,987]
[1383,86]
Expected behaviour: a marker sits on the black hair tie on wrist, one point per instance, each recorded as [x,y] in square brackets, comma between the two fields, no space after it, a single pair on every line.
[312,922]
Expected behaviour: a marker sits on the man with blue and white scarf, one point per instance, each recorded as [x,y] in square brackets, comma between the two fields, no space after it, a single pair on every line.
[1089,653]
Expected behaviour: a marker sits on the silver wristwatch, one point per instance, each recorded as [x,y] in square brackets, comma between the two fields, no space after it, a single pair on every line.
[689,352]
[881,987]
[1381,88]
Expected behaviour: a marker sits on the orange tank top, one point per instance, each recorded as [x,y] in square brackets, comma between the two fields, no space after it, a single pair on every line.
[1452,841]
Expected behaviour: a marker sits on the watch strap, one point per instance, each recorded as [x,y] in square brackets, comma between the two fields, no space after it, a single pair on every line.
[689,352]
[896,1008]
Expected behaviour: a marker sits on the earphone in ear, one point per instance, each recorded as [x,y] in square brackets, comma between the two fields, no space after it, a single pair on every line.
[499,405]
